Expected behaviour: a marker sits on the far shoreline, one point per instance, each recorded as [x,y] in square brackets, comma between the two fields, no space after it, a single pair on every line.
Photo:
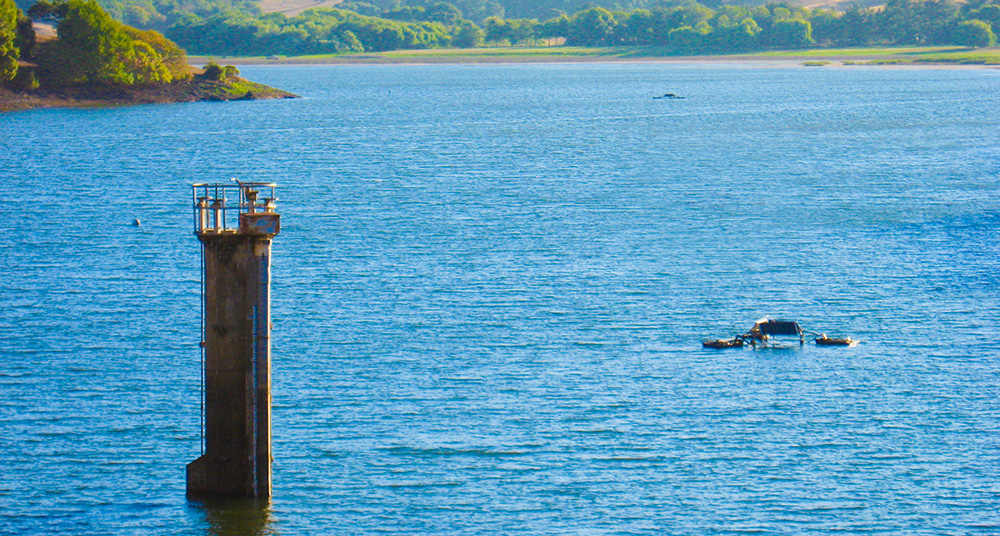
[904,57]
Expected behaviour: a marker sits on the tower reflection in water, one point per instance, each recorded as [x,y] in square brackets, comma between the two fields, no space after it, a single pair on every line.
[236,517]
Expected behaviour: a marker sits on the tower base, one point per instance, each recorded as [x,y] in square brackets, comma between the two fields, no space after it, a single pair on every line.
[211,476]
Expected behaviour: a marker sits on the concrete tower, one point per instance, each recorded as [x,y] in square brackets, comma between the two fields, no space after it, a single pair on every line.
[236,339]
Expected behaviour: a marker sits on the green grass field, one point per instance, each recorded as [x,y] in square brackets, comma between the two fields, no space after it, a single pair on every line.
[846,56]
[900,55]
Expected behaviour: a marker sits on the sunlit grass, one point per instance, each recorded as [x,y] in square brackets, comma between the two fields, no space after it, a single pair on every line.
[985,56]
[509,52]
[895,55]
[849,56]
[881,52]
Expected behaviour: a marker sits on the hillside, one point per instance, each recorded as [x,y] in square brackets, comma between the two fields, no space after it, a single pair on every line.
[838,5]
[162,14]
[671,27]
[478,10]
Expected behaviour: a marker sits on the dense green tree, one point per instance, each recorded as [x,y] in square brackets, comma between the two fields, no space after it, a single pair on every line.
[9,53]
[91,48]
[475,10]
[161,14]
[219,73]
[94,49]
[346,41]
[689,14]
[25,40]
[524,31]
[510,31]
[687,40]
[825,26]
[168,56]
[469,36]
[316,31]
[790,33]
[636,28]
[779,12]
[554,28]
[496,31]
[856,27]
[974,33]
[407,13]
[761,14]
[735,14]
[905,22]
[989,14]
[444,13]
[591,27]
[736,38]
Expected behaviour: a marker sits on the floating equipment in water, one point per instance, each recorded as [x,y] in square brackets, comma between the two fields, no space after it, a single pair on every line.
[765,329]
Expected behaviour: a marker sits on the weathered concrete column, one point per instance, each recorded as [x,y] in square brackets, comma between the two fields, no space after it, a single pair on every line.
[237,345]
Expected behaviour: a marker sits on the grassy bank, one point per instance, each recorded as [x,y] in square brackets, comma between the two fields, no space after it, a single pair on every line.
[903,55]
[846,56]
[443,55]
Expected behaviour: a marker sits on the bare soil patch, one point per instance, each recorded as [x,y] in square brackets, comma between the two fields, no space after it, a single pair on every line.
[292,8]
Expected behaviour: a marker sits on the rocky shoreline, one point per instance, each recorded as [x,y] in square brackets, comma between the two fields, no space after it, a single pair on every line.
[194,90]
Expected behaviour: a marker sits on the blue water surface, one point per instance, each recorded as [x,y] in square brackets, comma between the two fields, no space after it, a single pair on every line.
[489,294]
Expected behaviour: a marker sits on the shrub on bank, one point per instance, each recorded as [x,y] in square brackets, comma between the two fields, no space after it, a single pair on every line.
[218,73]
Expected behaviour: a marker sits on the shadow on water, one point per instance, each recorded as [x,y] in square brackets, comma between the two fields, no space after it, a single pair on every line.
[236,517]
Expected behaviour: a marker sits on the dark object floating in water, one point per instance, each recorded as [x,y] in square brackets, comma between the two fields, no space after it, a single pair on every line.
[765,330]
[823,340]
[735,342]
[136,222]
[669,96]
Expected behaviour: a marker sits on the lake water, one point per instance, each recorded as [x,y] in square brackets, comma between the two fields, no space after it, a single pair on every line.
[489,294]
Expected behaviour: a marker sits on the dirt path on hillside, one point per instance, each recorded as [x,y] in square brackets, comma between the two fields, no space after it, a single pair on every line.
[291,8]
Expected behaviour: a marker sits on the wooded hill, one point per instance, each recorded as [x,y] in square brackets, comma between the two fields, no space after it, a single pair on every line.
[689,28]
[161,14]
[236,27]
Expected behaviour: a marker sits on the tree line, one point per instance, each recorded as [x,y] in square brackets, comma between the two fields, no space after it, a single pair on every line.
[686,28]
[694,28]
[316,31]
[161,14]
[94,48]
[91,49]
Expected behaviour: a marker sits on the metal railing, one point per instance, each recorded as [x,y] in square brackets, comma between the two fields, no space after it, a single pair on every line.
[217,207]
